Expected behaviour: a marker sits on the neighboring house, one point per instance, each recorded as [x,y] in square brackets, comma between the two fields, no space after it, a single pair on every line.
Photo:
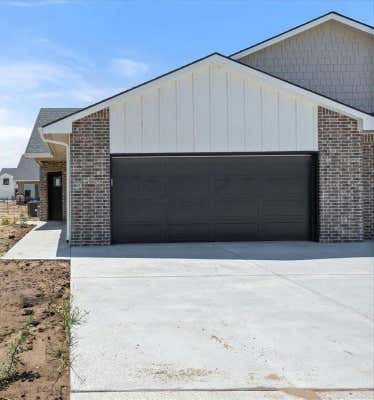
[275,142]
[8,184]
[27,178]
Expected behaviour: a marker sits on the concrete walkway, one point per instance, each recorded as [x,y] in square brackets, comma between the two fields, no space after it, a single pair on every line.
[226,321]
[45,242]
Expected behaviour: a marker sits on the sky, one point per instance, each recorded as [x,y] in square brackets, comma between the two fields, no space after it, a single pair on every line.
[71,53]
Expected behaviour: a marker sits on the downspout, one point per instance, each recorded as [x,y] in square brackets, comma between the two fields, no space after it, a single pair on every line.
[68,200]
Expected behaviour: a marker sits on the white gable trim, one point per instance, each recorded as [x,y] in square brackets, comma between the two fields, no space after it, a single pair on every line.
[302,28]
[64,125]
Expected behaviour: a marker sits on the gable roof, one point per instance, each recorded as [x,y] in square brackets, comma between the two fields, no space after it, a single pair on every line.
[64,124]
[331,16]
[45,115]
[27,170]
[9,171]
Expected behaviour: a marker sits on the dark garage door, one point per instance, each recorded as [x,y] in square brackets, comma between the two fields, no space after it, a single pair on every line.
[211,198]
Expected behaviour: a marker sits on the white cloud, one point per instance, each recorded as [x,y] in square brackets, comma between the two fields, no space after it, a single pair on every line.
[62,81]
[129,68]
[13,141]
[26,85]
[36,80]
[29,75]
[66,53]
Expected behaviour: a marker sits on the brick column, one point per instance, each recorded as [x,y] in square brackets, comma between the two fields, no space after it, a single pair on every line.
[341,205]
[90,180]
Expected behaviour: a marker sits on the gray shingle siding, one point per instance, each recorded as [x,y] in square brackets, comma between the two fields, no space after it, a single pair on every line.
[332,59]
[46,115]
[27,170]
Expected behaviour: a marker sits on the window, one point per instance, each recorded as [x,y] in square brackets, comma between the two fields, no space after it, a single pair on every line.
[6,181]
[57,181]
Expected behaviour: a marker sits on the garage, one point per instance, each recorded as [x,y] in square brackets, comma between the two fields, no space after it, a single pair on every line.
[176,198]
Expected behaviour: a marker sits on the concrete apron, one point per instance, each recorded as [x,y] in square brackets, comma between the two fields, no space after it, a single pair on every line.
[208,317]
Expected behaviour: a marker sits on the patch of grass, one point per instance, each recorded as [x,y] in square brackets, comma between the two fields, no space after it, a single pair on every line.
[4,221]
[69,316]
[9,367]
[22,220]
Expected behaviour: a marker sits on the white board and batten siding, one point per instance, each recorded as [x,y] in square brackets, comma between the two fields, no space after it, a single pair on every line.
[213,109]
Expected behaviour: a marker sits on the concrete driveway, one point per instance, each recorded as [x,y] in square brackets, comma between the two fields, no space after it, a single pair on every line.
[247,317]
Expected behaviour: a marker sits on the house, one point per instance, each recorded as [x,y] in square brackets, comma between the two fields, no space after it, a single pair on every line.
[8,184]
[275,142]
[23,179]
[27,178]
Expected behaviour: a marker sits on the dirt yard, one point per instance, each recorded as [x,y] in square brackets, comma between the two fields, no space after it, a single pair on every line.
[35,291]
[10,235]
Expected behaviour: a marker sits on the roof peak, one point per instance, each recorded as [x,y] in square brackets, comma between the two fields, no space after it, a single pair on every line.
[330,16]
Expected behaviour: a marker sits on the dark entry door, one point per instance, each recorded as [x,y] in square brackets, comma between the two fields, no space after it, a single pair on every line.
[55,196]
[212,198]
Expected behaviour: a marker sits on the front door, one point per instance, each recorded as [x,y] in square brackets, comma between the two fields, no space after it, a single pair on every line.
[55,196]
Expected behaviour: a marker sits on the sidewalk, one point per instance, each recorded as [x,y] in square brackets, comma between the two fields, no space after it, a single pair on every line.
[45,242]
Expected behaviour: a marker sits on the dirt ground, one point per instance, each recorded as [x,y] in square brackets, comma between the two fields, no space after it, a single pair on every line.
[34,288]
[10,235]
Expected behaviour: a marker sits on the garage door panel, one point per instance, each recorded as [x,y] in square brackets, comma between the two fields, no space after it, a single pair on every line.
[285,230]
[140,186]
[289,209]
[236,231]
[140,233]
[135,208]
[189,231]
[188,211]
[188,187]
[231,207]
[211,198]
[240,185]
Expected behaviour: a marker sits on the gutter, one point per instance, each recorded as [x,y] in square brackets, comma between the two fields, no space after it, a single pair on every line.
[67,148]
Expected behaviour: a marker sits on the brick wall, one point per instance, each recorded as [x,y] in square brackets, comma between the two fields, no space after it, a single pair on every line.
[45,167]
[340,178]
[368,183]
[90,177]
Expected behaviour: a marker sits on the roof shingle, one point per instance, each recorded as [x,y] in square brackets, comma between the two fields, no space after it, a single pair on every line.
[46,115]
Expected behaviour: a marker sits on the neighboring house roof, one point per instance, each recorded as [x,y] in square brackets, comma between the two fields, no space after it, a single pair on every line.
[331,16]
[9,171]
[36,144]
[27,170]
[63,124]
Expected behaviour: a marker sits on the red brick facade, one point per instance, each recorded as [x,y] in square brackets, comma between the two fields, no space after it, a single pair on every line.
[90,180]
[45,167]
[345,179]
